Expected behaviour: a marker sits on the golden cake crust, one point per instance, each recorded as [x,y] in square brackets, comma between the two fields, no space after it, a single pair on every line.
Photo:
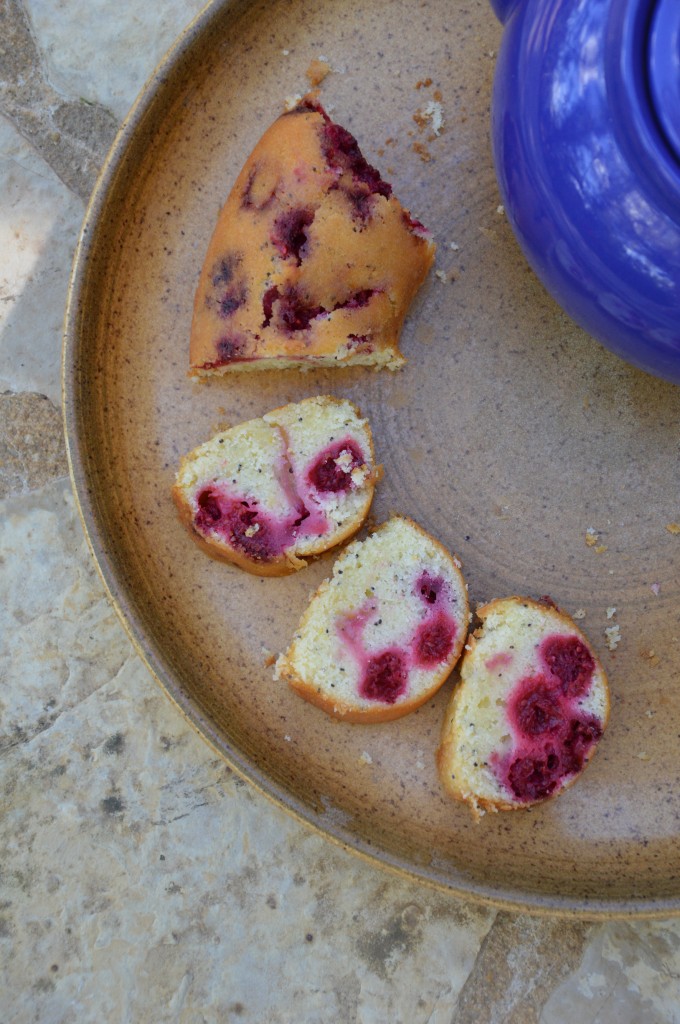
[313,260]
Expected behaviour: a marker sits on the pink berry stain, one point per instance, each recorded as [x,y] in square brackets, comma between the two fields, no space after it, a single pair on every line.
[289,234]
[294,311]
[248,528]
[434,638]
[502,659]
[384,674]
[230,349]
[433,641]
[342,152]
[257,196]
[228,291]
[429,587]
[553,736]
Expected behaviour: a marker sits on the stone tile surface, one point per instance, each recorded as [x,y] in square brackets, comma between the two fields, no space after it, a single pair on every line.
[519,965]
[31,442]
[107,66]
[38,234]
[72,134]
[628,973]
[141,880]
[144,881]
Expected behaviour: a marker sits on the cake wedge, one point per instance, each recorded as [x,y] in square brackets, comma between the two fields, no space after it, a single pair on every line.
[313,260]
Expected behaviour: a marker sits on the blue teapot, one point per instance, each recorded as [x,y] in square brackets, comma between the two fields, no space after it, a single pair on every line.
[586,142]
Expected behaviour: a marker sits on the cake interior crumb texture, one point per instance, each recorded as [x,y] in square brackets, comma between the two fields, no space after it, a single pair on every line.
[479,733]
[395,599]
[287,485]
[336,427]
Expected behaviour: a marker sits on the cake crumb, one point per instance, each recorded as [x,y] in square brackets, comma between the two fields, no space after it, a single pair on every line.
[441,274]
[655,589]
[644,756]
[433,113]
[673,528]
[613,635]
[611,612]
[454,246]
[580,613]
[424,83]
[592,538]
[366,758]
[422,152]
[500,209]
[291,102]
[651,656]
[318,69]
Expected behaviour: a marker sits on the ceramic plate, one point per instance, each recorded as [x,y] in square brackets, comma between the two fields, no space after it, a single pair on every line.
[510,435]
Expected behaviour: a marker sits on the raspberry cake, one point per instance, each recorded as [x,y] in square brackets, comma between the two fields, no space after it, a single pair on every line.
[382,635]
[269,493]
[313,260]
[531,707]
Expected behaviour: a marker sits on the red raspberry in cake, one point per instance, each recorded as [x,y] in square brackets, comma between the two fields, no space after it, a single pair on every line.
[534,707]
[372,646]
[569,660]
[434,640]
[274,491]
[313,260]
[531,707]
[332,469]
[384,678]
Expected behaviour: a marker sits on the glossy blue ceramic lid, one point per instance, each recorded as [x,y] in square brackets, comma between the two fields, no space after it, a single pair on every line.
[664,70]
[586,140]
[503,8]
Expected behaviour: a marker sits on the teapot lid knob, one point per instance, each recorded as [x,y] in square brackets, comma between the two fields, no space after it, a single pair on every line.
[664,70]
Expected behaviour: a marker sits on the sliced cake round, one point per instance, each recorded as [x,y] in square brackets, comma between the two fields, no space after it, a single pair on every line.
[313,260]
[531,706]
[269,493]
[381,636]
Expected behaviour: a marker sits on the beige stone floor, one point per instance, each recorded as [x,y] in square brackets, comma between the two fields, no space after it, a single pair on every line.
[141,880]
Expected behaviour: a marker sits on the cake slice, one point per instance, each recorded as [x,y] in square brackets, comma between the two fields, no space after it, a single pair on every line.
[272,492]
[532,704]
[313,260]
[381,636]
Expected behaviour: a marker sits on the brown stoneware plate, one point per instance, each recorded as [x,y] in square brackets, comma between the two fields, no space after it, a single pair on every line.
[509,435]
